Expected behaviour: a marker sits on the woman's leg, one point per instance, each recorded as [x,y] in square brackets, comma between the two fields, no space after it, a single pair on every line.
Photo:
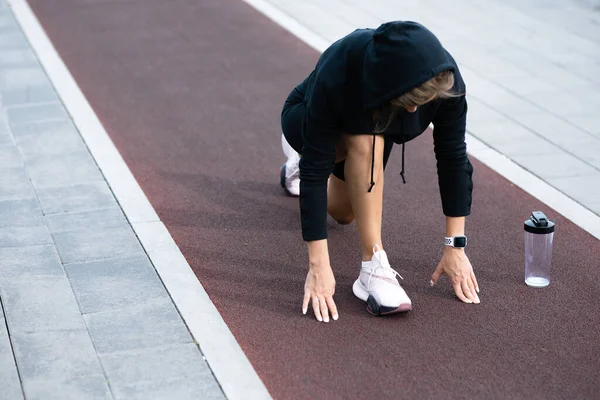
[366,206]
[338,201]
[292,116]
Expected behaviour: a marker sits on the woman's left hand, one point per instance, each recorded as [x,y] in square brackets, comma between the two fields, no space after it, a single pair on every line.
[457,266]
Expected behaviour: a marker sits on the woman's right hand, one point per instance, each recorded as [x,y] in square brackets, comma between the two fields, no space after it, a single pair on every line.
[319,289]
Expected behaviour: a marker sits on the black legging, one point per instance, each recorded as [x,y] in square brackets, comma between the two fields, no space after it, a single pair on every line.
[292,118]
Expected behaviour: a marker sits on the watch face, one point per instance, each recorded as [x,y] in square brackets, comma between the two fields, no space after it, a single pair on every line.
[460,241]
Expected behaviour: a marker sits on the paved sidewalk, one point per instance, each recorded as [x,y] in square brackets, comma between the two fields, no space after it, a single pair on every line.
[85,314]
[532,70]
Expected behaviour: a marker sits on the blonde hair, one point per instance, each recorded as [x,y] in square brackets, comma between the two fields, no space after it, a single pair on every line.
[438,87]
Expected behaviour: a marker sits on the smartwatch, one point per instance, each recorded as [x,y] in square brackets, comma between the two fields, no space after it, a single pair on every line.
[456,241]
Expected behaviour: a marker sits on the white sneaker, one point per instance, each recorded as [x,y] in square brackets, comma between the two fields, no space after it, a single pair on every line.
[378,286]
[289,176]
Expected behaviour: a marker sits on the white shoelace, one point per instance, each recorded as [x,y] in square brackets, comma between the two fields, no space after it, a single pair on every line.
[295,172]
[386,268]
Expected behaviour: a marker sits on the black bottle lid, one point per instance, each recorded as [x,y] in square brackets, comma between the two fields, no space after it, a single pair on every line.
[538,223]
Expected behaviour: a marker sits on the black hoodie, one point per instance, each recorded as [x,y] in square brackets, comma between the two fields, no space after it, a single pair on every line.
[360,73]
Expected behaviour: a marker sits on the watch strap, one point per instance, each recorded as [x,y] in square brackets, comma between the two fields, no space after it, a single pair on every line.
[452,242]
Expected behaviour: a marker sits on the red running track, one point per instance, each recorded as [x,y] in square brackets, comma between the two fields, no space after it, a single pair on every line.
[190,92]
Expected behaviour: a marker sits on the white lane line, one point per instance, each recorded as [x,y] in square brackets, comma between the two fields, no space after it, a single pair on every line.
[498,162]
[235,374]
[290,24]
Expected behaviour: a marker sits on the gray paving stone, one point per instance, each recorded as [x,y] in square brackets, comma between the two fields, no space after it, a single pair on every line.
[96,244]
[511,138]
[31,113]
[174,372]
[6,139]
[139,327]
[86,220]
[10,385]
[479,111]
[15,213]
[589,124]
[7,20]
[563,104]
[76,198]
[481,87]
[61,170]
[526,86]
[56,142]
[12,58]
[587,70]
[93,387]
[558,76]
[29,95]
[555,165]
[30,262]
[496,68]
[24,236]
[553,128]
[115,283]
[15,184]
[40,305]
[22,78]
[12,38]
[584,189]
[9,154]
[511,104]
[526,147]
[38,130]
[586,151]
[506,131]
[59,364]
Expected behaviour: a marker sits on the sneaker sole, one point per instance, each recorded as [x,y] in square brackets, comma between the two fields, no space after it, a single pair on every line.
[282,181]
[375,308]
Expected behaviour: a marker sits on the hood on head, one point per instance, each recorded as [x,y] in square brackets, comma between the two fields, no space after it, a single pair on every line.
[401,56]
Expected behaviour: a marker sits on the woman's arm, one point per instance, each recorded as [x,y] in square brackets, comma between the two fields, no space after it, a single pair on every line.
[455,226]
[316,164]
[453,166]
[456,185]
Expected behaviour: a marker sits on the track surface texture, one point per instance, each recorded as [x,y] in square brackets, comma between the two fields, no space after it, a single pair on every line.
[190,92]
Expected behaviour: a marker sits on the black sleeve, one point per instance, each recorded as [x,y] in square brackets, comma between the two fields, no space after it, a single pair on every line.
[454,169]
[316,164]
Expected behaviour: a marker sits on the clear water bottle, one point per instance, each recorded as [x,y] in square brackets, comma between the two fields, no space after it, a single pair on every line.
[539,232]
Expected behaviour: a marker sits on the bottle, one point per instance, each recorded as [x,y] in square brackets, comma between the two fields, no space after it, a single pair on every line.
[539,234]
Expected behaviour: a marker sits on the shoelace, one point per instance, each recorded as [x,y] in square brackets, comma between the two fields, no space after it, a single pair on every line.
[386,268]
[295,172]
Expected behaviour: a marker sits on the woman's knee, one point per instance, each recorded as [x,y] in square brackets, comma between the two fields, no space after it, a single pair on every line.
[361,146]
[338,201]
[341,216]
[346,219]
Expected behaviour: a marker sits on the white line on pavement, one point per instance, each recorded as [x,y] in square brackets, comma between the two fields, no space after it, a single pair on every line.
[498,162]
[235,374]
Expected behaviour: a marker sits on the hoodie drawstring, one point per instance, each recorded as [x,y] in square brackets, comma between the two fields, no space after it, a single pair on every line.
[372,165]
[403,146]
[373,160]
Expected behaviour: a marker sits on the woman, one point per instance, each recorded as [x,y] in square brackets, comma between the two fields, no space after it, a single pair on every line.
[369,90]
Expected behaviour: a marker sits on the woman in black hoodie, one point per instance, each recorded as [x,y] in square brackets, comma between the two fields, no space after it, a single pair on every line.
[369,90]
